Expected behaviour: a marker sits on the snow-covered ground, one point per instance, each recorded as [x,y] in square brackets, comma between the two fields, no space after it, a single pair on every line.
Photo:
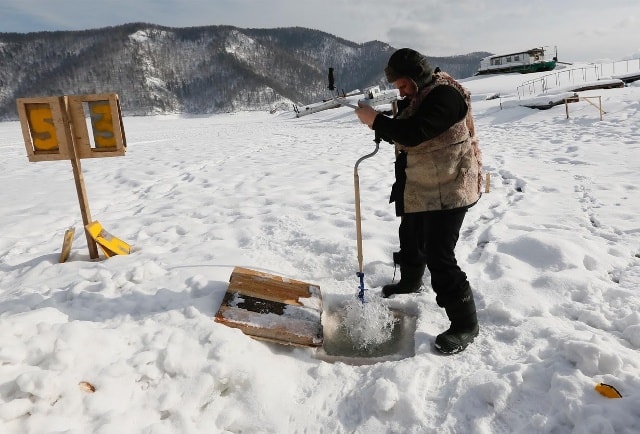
[553,253]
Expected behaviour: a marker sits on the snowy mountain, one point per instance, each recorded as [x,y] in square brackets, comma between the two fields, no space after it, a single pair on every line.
[211,69]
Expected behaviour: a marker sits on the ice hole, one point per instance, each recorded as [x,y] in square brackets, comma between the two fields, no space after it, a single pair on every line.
[366,333]
[368,325]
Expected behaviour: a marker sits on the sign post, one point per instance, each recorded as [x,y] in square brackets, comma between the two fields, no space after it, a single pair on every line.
[56,128]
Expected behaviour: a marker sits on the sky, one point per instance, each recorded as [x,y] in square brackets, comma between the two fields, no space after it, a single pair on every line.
[582,30]
[128,344]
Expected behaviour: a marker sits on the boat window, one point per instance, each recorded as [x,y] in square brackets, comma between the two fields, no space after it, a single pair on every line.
[516,57]
[508,59]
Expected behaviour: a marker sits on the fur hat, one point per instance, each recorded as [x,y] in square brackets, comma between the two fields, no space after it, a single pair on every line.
[410,64]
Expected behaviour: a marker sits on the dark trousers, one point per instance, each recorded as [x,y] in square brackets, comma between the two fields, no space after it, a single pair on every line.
[430,238]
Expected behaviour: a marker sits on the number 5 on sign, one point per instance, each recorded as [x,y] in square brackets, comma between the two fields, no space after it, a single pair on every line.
[45,137]
[44,127]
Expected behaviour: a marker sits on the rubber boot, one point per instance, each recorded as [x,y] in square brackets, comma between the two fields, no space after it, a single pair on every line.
[410,281]
[464,325]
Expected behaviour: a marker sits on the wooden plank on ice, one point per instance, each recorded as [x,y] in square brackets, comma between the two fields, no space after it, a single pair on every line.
[274,308]
[270,287]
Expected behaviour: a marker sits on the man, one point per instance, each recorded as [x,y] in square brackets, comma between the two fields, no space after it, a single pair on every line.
[438,177]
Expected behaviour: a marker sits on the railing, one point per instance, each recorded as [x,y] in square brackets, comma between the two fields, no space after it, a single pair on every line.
[572,76]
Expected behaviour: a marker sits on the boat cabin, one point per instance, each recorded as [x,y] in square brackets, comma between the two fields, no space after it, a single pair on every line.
[533,60]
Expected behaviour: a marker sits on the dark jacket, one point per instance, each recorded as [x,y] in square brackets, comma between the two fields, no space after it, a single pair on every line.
[438,163]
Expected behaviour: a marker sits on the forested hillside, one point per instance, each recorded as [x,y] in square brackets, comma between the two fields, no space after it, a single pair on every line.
[198,70]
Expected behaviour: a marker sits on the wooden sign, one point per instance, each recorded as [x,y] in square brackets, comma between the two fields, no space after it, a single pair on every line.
[47,124]
[56,128]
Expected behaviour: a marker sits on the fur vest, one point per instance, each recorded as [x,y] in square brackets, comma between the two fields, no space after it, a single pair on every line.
[443,172]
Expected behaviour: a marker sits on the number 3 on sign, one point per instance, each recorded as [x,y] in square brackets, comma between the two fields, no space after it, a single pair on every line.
[102,124]
[106,138]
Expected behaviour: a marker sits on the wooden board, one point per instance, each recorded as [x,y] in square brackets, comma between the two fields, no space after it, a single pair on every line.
[66,244]
[274,308]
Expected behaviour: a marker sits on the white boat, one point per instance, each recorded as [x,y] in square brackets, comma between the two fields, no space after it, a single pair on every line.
[533,60]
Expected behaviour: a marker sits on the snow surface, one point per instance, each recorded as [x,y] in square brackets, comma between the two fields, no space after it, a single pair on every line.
[553,253]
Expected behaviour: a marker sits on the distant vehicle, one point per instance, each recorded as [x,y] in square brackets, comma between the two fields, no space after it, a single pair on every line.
[533,60]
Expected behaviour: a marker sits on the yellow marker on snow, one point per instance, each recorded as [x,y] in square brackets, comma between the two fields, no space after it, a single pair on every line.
[109,244]
[607,390]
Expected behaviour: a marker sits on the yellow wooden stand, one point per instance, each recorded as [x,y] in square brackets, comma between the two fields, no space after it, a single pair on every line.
[273,308]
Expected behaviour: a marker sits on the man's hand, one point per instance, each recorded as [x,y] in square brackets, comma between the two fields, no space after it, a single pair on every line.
[366,114]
